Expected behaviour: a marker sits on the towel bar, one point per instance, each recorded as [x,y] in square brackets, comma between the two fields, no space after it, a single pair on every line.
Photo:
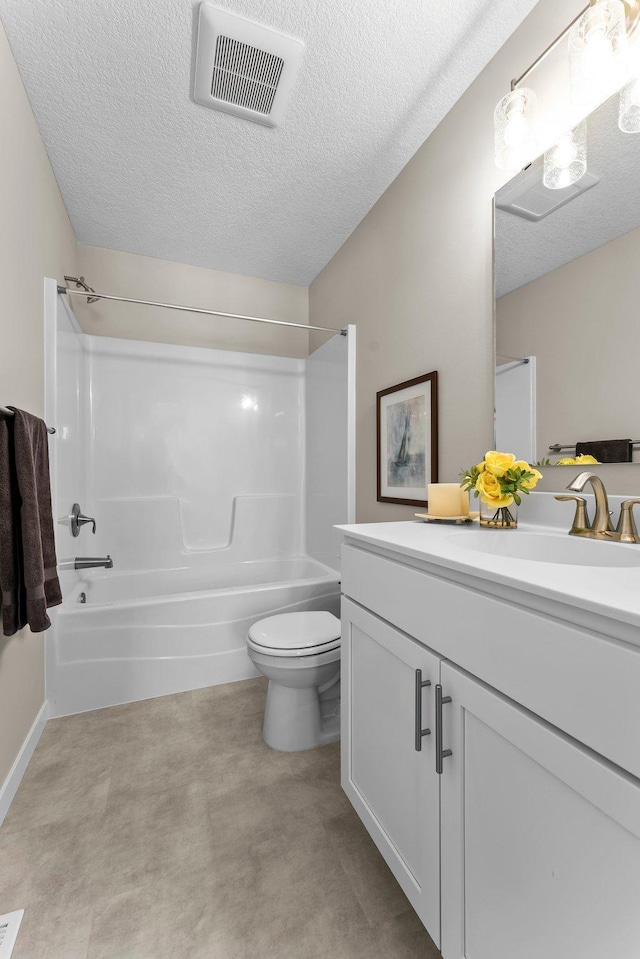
[556,448]
[6,412]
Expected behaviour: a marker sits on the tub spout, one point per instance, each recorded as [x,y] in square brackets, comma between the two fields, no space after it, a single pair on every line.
[90,562]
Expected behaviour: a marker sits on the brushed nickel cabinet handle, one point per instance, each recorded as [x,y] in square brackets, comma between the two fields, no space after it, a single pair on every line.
[419,731]
[440,752]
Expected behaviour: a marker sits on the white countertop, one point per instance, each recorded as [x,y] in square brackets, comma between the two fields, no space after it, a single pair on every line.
[612,592]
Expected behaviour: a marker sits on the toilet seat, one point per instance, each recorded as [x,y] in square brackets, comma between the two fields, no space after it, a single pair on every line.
[306,652]
[296,634]
[299,653]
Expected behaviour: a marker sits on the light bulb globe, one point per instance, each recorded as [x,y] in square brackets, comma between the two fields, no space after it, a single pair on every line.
[566,161]
[629,117]
[597,43]
[515,136]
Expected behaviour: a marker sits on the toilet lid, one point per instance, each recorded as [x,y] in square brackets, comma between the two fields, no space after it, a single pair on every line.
[296,630]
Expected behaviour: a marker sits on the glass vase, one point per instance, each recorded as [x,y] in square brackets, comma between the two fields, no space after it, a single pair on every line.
[501,517]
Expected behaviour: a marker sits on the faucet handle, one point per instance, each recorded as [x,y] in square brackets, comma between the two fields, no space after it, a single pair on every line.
[581,518]
[78,519]
[82,519]
[627,529]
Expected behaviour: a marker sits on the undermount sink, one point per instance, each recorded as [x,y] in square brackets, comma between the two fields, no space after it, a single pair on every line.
[547,548]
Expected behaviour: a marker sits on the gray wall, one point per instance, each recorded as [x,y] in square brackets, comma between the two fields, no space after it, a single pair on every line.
[148,278]
[416,276]
[36,240]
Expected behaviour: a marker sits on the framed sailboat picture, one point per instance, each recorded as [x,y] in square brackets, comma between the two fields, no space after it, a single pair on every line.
[407,423]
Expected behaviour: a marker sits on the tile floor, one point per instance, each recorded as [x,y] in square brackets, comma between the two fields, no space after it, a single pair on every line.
[167,828]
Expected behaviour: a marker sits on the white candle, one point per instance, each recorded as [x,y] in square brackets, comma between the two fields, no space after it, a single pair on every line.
[444,499]
[464,500]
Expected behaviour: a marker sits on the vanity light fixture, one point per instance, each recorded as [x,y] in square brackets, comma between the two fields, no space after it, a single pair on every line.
[514,119]
[629,118]
[597,43]
[566,162]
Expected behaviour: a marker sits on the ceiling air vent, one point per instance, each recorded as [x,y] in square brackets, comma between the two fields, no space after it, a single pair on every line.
[244,68]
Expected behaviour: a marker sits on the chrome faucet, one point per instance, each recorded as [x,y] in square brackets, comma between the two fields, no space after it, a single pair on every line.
[601,524]
[601,527]
[90,562]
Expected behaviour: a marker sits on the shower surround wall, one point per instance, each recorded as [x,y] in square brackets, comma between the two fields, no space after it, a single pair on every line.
[194,463]
[194,450]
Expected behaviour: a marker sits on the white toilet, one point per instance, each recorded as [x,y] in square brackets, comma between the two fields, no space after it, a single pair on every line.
[299,653]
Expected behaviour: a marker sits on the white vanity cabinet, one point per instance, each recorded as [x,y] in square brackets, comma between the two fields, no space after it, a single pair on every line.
[388,765]
[527,844]
[540,837]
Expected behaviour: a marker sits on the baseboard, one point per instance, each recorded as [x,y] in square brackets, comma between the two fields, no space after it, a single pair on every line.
[10,786]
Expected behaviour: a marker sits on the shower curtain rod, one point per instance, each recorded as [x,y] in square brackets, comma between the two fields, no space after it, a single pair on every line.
[505,367]
[193,309]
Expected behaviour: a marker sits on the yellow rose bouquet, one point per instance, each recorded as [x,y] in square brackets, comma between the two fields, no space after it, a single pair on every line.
[500,480]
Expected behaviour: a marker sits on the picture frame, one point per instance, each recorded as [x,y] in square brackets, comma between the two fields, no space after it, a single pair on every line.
[407,440]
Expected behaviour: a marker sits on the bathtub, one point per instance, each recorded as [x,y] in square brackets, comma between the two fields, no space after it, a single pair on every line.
[147,633]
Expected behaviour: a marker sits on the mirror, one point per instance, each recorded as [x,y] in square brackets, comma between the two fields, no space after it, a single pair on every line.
[568,306]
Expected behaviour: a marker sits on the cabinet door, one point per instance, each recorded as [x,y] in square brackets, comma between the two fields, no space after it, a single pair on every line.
[540,837]
[393,785]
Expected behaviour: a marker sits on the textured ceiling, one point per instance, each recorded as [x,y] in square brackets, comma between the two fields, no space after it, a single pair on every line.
[526,250]
[144,169]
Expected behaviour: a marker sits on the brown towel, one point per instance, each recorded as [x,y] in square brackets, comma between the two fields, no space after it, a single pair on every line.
[36,576]
[607,451]
[10,542]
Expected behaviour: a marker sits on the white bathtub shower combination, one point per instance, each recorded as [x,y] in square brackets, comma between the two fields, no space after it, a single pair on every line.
[194,463]
[154,632]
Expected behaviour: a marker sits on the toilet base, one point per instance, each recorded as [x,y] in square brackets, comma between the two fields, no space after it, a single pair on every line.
[296,719]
